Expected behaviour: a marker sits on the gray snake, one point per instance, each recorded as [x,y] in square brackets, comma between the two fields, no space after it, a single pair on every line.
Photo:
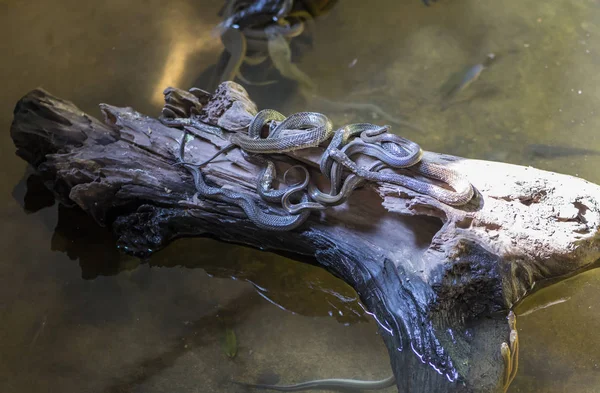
[317,129]
[346,384]
[261,219]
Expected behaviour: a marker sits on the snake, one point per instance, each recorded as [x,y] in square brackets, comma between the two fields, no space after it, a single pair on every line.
[316,127]
[239,42]
[283,196]
[339,139]
[401,160]
[463,190]
[333,199]
[281,56]
[405,153]
[265,181]
[236,13]
[335,383]
[246,202]
[303,205]
[321,129]
[235,43]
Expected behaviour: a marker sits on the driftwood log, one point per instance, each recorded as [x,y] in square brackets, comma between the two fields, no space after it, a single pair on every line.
[439,280]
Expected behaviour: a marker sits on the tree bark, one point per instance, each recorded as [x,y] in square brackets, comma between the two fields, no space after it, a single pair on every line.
[438,279]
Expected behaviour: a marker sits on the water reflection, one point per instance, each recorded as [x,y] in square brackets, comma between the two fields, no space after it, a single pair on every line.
[250,32]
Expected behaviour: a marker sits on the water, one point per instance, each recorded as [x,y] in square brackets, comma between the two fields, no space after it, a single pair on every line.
[78,316]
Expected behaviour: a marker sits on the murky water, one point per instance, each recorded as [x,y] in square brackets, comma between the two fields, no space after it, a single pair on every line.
[77,316]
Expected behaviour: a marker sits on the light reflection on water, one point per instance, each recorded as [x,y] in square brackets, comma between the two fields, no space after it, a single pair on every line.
[156,326]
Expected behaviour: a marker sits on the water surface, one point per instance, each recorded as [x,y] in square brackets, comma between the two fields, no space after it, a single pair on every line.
[78,316]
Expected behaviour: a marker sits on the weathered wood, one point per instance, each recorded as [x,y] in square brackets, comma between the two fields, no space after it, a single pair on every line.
[439,280]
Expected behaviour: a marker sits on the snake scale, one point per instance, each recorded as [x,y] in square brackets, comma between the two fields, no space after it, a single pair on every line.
[310,129]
